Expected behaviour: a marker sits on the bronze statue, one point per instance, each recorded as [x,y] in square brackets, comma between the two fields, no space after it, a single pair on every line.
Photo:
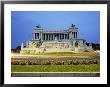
[72,25]
[38,26]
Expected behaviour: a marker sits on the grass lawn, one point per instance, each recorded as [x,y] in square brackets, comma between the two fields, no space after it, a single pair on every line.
[56,68]
[56,55]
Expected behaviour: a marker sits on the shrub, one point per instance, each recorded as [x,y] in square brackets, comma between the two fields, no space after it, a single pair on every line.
[22,63]
[75,62]
[45,63]
[15,62]
[95,61]
[81,62]
[91,61]
[48,63]
[87,62]
[29,63]
[56,62]
[69,62]
[34,63]
[37,62]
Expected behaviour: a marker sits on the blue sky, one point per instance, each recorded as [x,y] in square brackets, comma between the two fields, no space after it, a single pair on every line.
[23,23]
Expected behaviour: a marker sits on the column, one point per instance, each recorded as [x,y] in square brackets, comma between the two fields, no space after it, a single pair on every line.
[53,37]
[58,36]
[68,36]
[39,36]
[48,36]
[76,34]
[34,36]
[73,34]
[61,36]
[64,36]
[43,36]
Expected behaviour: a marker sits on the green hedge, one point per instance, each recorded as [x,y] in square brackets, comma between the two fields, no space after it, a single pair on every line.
[56,62]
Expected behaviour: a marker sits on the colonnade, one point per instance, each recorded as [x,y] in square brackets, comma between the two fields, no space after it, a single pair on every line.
[52,36]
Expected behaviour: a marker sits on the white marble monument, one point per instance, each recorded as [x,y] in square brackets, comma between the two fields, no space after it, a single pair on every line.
[55,41]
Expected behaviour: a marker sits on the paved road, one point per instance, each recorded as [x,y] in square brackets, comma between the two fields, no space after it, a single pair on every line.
[55,74]
[35,59]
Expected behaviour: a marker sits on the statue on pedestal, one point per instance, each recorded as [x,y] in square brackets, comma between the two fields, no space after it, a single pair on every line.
[38,26]
[72,25]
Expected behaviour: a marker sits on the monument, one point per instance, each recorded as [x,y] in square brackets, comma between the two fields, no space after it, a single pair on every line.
[55,41]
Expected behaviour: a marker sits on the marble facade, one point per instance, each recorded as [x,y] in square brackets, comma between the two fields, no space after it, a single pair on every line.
[55,41]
